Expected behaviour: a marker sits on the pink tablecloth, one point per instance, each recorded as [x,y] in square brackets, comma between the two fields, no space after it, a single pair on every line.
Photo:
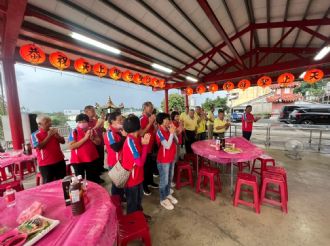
[249,150]
[7,160]
[96,226]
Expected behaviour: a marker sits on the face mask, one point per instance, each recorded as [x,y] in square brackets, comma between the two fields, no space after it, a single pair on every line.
[83,125]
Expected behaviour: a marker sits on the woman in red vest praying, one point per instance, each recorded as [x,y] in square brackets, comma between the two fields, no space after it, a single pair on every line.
[50,157]
[84,155]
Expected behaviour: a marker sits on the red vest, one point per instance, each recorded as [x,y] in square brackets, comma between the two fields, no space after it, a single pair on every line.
[110,137]
[165,155]
[177,124]
[86,152]
[51,153]
[144,121]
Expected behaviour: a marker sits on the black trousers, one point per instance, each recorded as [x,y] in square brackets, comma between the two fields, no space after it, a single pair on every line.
[53,172]
[134,198]
[201,136]
[90,168]
[247,135]
[100,161]
[190,139]
[148,170]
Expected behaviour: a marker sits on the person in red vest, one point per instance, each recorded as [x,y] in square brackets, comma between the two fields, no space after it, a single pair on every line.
[84,155]
[135,152]
[147,121]
[114,139]
[175,117]
[247,122]
[166,139]
[50,157]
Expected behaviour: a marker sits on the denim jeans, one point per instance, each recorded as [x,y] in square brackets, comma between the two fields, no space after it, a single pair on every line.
[165,177]
[115,190]
[134,198]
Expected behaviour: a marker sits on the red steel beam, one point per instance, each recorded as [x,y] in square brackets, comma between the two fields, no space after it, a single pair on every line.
[278,59]
[299,24]
[316,34]
[288,50]
[213,19]
[205,64]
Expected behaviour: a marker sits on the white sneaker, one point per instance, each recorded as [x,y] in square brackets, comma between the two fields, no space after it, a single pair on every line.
[172,199]
[167,204]
[171,191]
[172,184]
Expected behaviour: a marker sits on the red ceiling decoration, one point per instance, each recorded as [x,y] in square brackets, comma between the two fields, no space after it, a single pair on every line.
[154,82]
[264,81]
[82,66]
[200,89]
[127,76]
[100,70]
[146,80]
[244,84]
[115,73]
[228,86]
[137,78]
[162,83]
[285,79]
[32,54]
[313,75]
[213,88]
[189,91]
[59,60]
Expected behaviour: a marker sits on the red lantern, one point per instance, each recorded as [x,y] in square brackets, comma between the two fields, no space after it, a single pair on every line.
[228,86]
[264,81]
[82,66]
[137,78]
[127,76]
[100,70]
[189,91]
[162,83]
[213,88]
[285,79]
[146,80]
[32,54]
[115,73]
[313,75]
[244,84]
[154,82]
[200,89]
[59,60]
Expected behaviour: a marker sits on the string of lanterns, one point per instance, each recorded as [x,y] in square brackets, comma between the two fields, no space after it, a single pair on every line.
[34,55]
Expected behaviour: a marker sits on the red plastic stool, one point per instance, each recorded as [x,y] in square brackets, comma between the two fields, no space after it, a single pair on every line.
[242,165]
[192,158]
[212,174]
[16,185]
[264,160]
[277,179]
[249,180]
[281,171]
[183,166]
[131,227]
[115,199]
[38,179]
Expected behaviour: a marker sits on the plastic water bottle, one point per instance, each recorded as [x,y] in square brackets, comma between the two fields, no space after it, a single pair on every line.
[10,196]
[217,143]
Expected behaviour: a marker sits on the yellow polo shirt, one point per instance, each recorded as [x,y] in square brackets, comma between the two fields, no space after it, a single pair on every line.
[201,126]
[183,115]
[190,124]
[218,122]
[210,115]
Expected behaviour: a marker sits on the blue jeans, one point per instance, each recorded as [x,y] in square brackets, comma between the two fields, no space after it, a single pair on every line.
[165,177]
[134,198]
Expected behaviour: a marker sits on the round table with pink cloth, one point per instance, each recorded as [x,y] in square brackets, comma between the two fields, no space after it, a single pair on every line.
[96,226]
[207,150]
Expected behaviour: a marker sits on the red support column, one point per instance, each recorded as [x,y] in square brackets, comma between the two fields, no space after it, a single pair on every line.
[13,107]
[166,101]
[187,101]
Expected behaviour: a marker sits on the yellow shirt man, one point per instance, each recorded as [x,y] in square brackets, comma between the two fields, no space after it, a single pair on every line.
[218,122]
[183,115]
[190,124]
[210,116]
[201,126]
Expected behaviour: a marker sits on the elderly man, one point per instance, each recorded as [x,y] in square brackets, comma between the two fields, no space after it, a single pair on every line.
[190,125]
[201,120]
[210,122]
[98,126]
[50,158]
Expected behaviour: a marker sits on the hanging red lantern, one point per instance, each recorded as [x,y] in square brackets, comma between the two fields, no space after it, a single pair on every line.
[82,66]
[285,79]
[146,80]
[244,84]
[228,86]
[200,89]
[32,54]
[137,78]
[264,81]
[313,75]
[154,82]
[162,83]
[115,73]
[189,91]
[59,60]
[127,76]
[100,70]
[213,88]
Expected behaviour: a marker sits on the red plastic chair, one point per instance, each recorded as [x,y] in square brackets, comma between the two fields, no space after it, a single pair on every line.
[133,227]
[211,174]
[248,180]
[38,179]
[180,167]
[25,167]
[191,158]
[264,161]
[17,185]
[3,173]
[275,179]
[242,165]
[115,199]
[281,171]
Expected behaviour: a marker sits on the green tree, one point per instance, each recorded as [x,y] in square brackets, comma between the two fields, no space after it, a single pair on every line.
[315,89]
[58,119]
[174,101]
[217,103]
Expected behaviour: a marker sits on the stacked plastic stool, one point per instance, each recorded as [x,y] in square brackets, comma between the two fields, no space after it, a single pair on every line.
[191,158]
[248,180]
[282,171]
[242,165]
[265,160]
[211,174]
[182,167]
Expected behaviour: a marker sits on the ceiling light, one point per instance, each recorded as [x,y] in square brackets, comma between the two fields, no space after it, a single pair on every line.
[322,53]
[94,42]
[162,68]
[302,75]
[191,79]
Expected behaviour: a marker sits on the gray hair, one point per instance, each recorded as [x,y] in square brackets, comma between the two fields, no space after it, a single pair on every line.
[42,117]
[146,104]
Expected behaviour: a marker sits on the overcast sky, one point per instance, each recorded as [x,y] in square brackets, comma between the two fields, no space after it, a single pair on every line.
[50,90]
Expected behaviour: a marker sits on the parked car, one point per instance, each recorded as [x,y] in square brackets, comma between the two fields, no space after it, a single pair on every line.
[318,115]
[286,111]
